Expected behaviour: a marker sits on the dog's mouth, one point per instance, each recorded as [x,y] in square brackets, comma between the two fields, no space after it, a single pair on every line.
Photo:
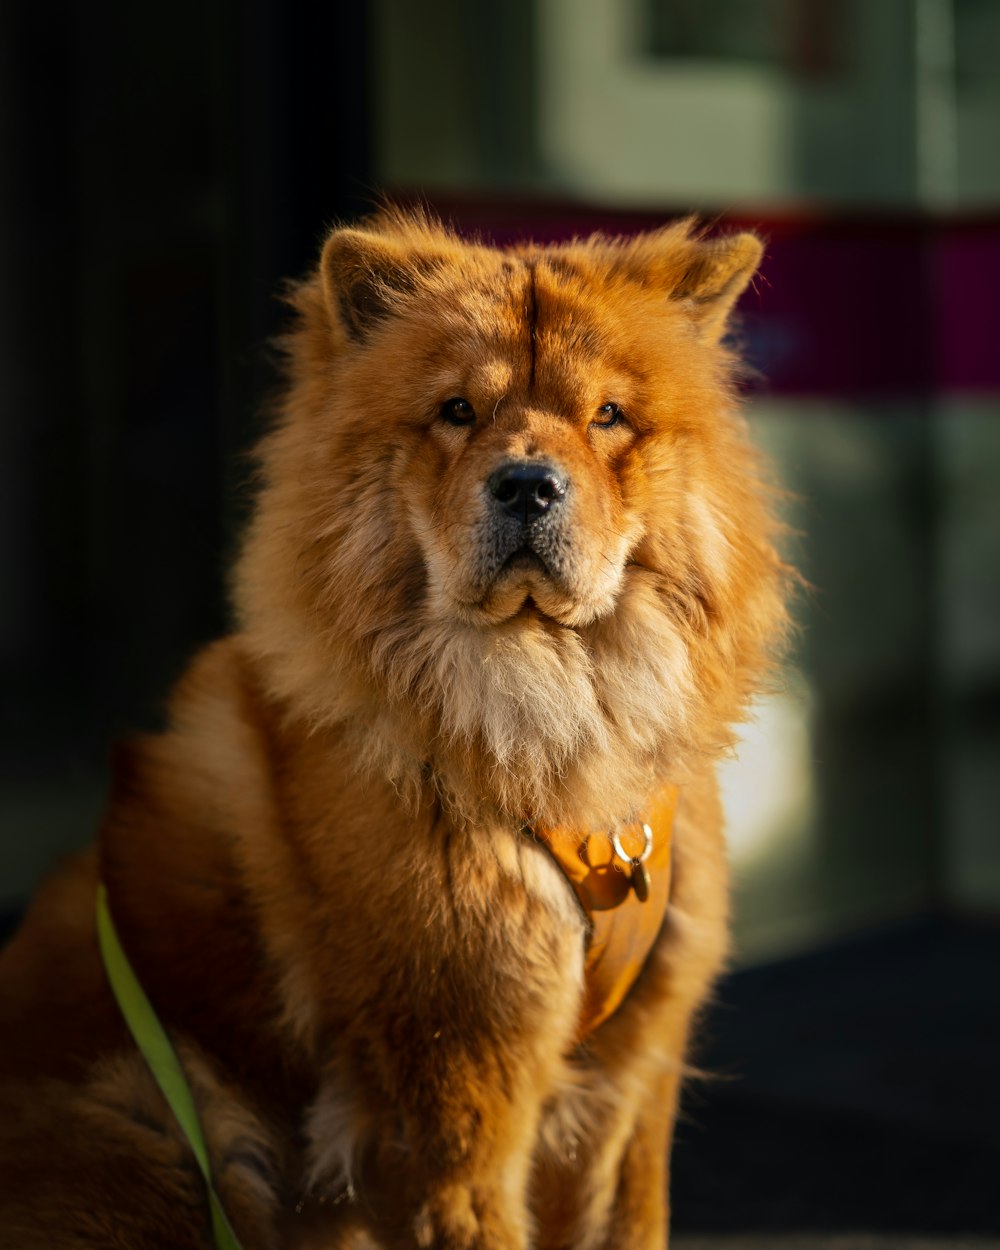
[529,576]
[523,560]
[526,561]
[528,591]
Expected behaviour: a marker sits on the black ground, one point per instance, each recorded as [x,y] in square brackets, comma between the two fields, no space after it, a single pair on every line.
[857,1088]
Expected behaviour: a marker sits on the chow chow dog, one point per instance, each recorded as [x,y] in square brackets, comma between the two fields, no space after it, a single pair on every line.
[425,879]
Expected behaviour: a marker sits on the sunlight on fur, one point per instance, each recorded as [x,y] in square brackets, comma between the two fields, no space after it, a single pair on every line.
[510,583]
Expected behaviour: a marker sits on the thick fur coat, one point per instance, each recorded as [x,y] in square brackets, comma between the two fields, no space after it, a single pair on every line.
[512,563]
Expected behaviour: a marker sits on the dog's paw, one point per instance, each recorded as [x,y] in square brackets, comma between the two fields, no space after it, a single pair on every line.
[456,1217]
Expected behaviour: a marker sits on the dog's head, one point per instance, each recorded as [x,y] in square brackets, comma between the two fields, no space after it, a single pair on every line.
[511,523]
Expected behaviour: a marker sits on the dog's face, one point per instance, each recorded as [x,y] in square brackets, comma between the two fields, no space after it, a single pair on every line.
[516,453]
[529,404]
[525,513]
[514,512]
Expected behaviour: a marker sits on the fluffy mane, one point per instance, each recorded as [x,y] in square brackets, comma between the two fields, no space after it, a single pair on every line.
[524,718]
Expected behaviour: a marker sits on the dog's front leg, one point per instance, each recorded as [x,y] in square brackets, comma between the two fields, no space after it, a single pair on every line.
[640,1211]
[468,1188]
[434,1119]
[453,1171]
[441,1068]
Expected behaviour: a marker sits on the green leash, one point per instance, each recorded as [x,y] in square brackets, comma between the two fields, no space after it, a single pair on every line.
[152,1040]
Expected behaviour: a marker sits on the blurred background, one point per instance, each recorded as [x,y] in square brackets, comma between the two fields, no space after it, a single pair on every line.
[163,167]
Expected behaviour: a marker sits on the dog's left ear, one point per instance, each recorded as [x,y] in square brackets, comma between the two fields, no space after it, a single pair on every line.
[715,277]
[367,275]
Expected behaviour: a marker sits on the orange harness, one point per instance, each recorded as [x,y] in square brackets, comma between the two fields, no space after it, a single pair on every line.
[623,885]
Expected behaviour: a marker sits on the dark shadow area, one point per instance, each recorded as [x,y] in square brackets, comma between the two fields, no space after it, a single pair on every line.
[854,1088]
[161,175]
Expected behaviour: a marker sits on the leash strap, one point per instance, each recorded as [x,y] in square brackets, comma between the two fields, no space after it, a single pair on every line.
[151,1038]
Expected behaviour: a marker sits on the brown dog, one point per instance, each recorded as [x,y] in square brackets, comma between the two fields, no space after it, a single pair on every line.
[509,583]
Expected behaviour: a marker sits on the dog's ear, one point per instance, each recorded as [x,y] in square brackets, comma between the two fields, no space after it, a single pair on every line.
[365,276]
[715,277]
[706,276]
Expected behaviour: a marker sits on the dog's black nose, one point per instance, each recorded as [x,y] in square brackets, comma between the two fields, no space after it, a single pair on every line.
[526,489]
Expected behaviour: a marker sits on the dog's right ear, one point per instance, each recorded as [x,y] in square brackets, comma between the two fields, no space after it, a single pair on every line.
[366,276]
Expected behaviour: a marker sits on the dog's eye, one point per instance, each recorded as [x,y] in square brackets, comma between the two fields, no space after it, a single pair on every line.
[608,415]
[458,411]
